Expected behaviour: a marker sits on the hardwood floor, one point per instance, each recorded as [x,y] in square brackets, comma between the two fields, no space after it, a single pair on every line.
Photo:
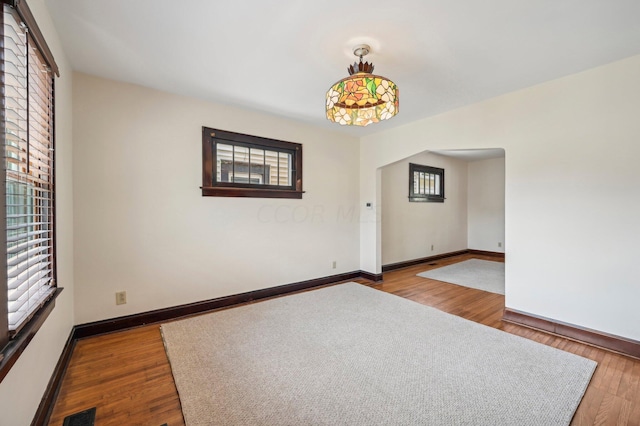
[127,376]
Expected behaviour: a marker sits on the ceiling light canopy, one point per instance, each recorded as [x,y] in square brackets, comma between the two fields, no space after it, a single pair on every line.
[362,98]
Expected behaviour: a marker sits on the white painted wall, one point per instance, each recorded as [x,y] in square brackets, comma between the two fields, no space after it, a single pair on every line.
[142,226]
[572,191]
[486,205]
[22,389]
[410,228]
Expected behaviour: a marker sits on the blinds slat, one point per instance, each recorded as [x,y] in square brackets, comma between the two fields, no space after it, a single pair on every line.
[24,246]
[26,235]
[29,277]
[18,216]
[26,264]
[20,315]
[25,225]
[19,299]
[19,258]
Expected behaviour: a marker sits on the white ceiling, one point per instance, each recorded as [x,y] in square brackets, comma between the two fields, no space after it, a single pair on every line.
[281,56]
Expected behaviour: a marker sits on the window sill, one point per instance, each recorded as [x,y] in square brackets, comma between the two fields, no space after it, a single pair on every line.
[427,199]
[217,191]
[12,351]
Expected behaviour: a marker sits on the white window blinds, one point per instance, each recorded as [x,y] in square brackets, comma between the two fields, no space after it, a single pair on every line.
[28,138]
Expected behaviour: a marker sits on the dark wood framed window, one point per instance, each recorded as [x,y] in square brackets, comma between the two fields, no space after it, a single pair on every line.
[239,165]
[426,183]
[28,241]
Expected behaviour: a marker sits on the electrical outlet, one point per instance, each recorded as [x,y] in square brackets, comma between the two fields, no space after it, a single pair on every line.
[334,264]
[121,298]
[499,244]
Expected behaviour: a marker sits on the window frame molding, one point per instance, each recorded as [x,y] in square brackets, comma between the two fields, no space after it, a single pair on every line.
[13,344]
[27,17]
[425,198]
[211,188]
[11,351]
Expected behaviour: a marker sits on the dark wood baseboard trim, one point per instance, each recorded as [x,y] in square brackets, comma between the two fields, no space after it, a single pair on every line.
[487,253]
[376,278]
[584,335]
[53,388]
[407,263]
[173,312]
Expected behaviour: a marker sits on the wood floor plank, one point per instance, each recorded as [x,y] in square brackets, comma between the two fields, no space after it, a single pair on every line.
[625,412]
[588,409]
[127,376]
[609,412]
[627,380]
[634,414]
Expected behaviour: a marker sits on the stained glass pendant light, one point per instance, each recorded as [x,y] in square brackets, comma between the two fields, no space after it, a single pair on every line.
[362,98]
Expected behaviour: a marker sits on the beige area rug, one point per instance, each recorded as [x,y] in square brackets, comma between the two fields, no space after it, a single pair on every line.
[352,355]
[475,273]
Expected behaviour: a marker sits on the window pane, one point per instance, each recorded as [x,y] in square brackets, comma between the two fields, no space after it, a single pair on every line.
[240,171]
[271,163]
[257,167]
[437,185]
[224,167]
[239,164]
[432,189]
[284,174]
[416,183]
[422,183]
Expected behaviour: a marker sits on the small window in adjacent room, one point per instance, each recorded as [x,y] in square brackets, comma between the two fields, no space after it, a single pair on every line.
[238,165]
[426,184]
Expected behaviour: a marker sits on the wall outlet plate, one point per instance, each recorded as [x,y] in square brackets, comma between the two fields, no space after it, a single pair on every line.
[121,298]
